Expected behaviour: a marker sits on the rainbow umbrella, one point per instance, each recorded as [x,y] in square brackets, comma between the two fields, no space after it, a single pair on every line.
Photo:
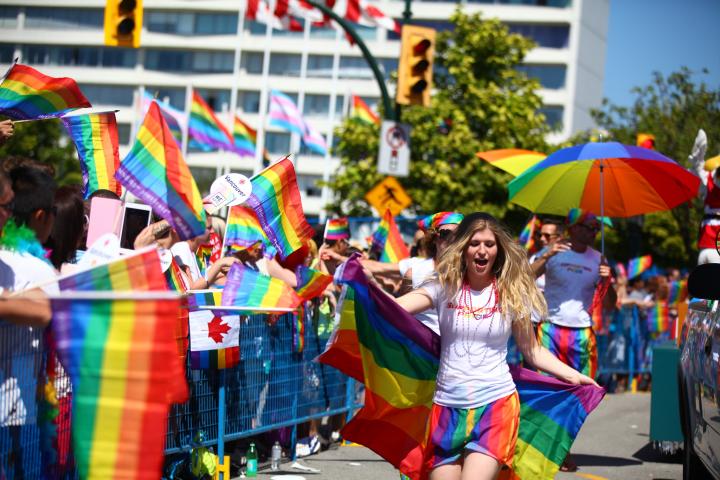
[512,160]
[608,178]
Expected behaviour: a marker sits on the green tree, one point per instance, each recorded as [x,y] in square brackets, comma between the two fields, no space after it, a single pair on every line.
[672,108]
[481,103]
[45,141]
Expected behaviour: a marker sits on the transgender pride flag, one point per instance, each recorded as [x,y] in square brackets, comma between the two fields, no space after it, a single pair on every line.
[286,115]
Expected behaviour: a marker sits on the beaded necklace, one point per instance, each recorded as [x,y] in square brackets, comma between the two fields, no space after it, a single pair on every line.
[468,325]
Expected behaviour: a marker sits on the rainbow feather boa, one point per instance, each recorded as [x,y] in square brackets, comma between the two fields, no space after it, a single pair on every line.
[21,239]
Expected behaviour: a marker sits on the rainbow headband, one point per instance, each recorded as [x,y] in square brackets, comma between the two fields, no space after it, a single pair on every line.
[337,229]
[440,218]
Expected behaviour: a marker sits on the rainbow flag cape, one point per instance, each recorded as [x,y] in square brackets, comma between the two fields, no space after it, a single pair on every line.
[26,93]
[245,287]
[527,236]
[361,111]
[95,136]
[638,265]
[205,130]
[311,283]
[155,172]
[214,337]
[658,317]
[175,279]
[399,358]
[388,241]
[245,138]
[678,292]
[276,201]
[243,230]
[122,360]
[174,118]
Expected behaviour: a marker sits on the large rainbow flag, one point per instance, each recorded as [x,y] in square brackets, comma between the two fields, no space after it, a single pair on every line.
[121,356]
[398,361]
[214,337]
[243,230]
[361,111]
[276,201]
[26,93]
[206,131]
[155,172]
[95,136]
[175,119]
[245,287]
[388,241]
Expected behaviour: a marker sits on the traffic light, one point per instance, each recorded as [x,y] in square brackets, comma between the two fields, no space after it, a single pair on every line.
[123,23]
[415,66]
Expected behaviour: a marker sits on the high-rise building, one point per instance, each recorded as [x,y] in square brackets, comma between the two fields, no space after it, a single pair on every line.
[193,44]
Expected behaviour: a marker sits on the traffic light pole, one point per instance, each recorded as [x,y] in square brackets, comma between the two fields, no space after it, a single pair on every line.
[388,109]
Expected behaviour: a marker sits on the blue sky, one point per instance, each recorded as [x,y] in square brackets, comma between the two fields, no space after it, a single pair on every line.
[660,35]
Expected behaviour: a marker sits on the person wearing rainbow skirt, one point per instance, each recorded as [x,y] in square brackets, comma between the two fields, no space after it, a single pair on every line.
[483,291]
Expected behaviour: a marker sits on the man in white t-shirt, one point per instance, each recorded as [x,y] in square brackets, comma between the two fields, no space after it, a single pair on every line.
[550,233]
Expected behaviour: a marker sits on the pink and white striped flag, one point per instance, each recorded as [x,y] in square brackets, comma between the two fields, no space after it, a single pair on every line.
[286,115]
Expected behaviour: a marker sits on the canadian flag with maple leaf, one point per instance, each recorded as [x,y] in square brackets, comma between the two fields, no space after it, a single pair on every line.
[214,340]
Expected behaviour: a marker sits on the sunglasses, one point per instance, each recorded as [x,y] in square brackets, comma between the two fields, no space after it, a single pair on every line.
[444,234]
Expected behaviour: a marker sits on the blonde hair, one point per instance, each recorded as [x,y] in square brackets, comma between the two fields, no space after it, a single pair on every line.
[518,295]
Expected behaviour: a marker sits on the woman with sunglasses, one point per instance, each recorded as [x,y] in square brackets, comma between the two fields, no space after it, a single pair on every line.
[483,291]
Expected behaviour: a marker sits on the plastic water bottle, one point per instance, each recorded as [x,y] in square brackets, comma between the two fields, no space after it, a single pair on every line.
[275,456]
[252,461]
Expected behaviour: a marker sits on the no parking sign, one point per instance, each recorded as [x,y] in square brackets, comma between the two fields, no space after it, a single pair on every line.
[394,156]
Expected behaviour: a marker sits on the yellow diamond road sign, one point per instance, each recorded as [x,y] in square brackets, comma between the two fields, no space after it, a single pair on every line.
[388,194]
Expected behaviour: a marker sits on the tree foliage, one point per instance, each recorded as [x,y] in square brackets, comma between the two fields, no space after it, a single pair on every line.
[672,108]
[45,141]
[481,103]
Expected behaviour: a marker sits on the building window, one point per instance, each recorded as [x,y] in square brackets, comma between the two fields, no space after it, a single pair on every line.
[251,62]
[174,96]
[553,116]
[218,100]
[124,134]
[108,95]
[309,185]
[319,66]
[168,60]
[169,22]
[79,56]
[277,143]
[357,67]
[285,64]
[64,18]
[215,62]
[203,178]
[6,53]
[551,77]
[316,105]
[548,36]
[8,17]
[216,23]
[248,101]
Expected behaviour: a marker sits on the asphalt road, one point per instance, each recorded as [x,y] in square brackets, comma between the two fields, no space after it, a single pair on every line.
[613,445]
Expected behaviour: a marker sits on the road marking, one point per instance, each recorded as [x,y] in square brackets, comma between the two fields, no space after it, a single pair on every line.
[590,476]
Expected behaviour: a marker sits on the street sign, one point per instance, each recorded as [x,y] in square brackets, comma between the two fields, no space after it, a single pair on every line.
[388,194]
[394,155]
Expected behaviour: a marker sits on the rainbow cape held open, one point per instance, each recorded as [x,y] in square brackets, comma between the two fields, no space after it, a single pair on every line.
[388,241]
[206,131]
[26,93]
[155,172]
[243,230]
[214,337]
[246,287]
[398,359]
[95,136]
[276,201]
[311,283]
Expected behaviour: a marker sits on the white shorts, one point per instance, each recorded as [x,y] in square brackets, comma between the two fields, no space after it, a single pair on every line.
[708,255]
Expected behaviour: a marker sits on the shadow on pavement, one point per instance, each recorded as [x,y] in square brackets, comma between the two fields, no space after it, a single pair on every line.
[584,460]
[650,454]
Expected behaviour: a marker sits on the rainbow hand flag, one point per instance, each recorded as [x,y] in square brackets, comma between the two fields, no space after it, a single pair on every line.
[658,317]
[361,111]
[398,361]
[214,337]
[638,265]
[26,93]
[527,236]
[298,328]
[175,278]
[276,201]
[245,138]
[247,288]
[205,130]
[155,172]
[388,241]
[243,230]
[95,137]
[337,229]
[678,292]
[311,283]
[139,272]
